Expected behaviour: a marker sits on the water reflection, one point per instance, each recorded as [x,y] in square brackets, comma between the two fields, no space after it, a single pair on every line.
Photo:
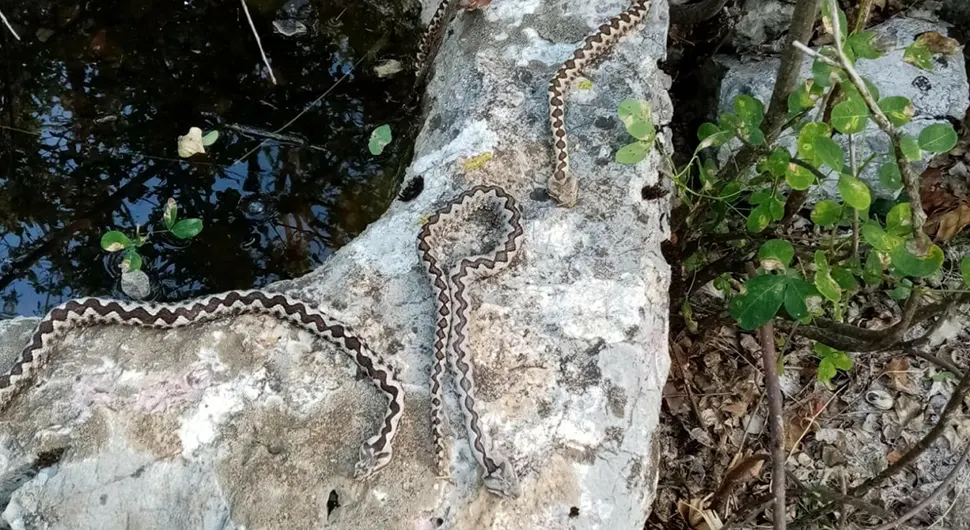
[94,97]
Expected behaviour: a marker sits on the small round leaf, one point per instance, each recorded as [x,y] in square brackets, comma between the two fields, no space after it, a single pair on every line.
[854,191]
[633,153]
[187,228]
[114,241]
[379,139]
[776,254]
[826,212]
[938,138]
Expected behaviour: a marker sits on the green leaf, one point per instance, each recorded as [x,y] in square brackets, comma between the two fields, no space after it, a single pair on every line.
[754,136]
[706,129]
[854,191]
[761,196]
[171,214]
[730,192]
[872,273]
[824,75]
[844,278]
[187,228]
[777,163]
[633,153]
[938,138]
[761,301]
[715,140]
[898,109]
[919,56]
[826,212]
[917,266]
[827,286]
[850,117]
[829,153]
[750,110]
[210,138]
[890,176]
[901,292]
[826,370]
[899,220]
[873,234]
[803,97]
[776,208]
[807,139]
[776,254]
[707,173]
[637,119]
[114,241]
[796,297]
[841,361]
[965,270]
[759,218]
[379,139]
[862,45]
[910,147]
[798,177]
[132,260]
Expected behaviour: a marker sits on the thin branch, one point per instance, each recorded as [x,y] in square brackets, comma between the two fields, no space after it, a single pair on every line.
[899,329]
[7,23]
[832,495]
[776,426]
[944,487]
[258,42]
[861,490]
[910,179]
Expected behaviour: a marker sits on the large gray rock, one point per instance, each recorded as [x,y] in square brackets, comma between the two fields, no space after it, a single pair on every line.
[935,95]
[249,423]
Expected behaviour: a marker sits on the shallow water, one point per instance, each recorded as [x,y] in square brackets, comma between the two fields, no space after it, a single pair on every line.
[94,96]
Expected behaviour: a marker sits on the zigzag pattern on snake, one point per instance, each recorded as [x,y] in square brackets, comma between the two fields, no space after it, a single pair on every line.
[452,317]
[375,453]
[563,187]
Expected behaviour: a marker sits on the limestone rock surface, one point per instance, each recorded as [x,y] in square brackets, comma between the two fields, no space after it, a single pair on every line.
[250,423]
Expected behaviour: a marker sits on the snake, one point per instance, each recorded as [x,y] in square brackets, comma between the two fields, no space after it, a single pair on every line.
[375,453]
[562,185]
[449,286]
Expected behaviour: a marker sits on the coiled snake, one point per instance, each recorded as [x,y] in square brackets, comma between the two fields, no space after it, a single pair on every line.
[449,288]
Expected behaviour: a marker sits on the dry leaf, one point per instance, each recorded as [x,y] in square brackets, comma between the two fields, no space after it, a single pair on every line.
[944,225]
[738,410]
[938,43]
[698,515]
[893,457]
[191,143]
[898,372]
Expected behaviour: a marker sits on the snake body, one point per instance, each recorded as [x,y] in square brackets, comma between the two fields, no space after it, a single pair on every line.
[563,187]
[452,318]
[375,453]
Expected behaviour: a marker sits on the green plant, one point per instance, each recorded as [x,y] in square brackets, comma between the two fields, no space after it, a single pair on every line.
[638,120]
[116,241]
[856,244]
[379,139]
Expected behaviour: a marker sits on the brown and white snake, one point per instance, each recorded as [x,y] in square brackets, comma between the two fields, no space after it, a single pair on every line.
[375,453]
[449,287]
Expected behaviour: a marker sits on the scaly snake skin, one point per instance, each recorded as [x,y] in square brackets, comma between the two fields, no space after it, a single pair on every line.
[563,187]
[452,318]
[375,453]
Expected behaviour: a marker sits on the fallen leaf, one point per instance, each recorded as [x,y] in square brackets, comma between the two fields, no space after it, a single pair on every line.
[738,410]
[191,143]
[472,5]
[893,457]
[898,372]
[937,43]
[477,161]
[945,225]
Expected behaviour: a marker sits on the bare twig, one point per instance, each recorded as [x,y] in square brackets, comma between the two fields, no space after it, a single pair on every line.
[840,497]
[772,387]
[862,489]
[258,42]
[944,487]
[7,23]
[900,328]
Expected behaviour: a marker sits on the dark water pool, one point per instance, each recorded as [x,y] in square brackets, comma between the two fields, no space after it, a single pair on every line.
[94,96]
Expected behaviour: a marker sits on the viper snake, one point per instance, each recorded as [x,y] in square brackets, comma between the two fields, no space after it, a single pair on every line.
[449,286]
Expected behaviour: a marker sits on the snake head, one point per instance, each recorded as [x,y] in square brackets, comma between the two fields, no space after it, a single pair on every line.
[503,481]
[370,462]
